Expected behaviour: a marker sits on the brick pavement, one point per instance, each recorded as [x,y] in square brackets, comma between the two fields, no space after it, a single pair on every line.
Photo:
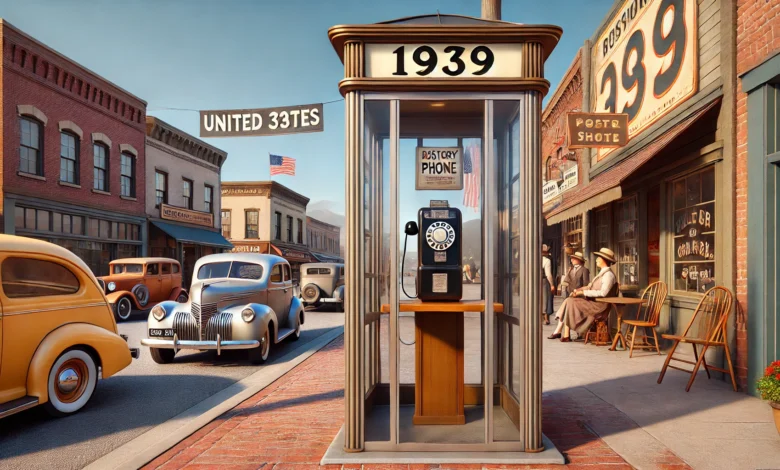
[291,423]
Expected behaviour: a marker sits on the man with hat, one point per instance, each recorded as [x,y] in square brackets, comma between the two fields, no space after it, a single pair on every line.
[577,276]
[548,285]
[580,310]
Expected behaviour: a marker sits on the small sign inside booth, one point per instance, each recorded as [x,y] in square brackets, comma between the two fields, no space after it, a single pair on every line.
[439,168]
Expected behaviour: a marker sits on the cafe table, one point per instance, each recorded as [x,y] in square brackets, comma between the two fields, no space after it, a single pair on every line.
[620,303]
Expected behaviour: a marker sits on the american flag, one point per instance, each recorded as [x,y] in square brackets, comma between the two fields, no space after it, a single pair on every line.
[282,165]
[471,176]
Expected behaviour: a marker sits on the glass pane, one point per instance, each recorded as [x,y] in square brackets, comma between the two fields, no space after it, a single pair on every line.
[57,222]
[78,225]
[19,217]
[43,220]
[693,190]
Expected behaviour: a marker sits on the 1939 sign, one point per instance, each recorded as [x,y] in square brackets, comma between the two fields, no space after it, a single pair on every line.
[443,60]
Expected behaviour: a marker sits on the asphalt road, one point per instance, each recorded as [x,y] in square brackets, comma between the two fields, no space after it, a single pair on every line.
[142,396]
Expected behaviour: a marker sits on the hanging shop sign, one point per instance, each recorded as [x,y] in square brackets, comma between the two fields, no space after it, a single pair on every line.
[444,60]
[186,215]
[262,122]
[645,62]
[570,178]
[550,190]
[597,130]
[439,168]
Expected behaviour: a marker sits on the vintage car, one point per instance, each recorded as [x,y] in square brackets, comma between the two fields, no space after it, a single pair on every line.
[140,283]
[323,283]
[57,332]
[237,301]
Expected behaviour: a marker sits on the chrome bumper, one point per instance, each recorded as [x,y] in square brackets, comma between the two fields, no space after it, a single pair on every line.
[219,345]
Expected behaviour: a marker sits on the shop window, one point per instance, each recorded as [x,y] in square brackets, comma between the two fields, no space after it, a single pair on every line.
[186,191]
[122,232]
[42,217]
[28,277]
[30,146]
[208,198]
[601,228]
[694,231]
[277,225]
[105,229]
[300,231]
[127,175]
[226,224]
[69,158]
[289,229]
[161,188]
[94,228]
[627,222]
[100,180]
[654,235]
[252,222]
[572,229]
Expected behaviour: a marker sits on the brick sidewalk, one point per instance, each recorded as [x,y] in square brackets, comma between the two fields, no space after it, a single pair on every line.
[291,423]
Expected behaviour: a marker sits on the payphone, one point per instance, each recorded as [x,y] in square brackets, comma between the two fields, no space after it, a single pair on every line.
[439,252]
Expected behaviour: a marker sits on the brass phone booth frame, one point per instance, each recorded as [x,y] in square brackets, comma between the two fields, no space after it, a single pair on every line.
[373,263]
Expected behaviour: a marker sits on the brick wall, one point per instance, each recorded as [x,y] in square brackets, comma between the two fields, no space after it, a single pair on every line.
[36,76]
[758,38]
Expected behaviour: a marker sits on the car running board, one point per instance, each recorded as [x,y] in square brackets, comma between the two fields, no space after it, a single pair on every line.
[15,406]
[283,333]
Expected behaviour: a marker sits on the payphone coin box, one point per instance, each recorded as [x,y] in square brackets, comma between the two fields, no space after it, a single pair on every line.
[440,269]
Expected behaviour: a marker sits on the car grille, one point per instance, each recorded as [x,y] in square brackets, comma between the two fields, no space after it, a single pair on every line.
[203,315]
[185,327]
[220,324]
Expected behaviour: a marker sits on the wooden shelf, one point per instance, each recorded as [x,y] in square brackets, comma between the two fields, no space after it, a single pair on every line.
[462,306]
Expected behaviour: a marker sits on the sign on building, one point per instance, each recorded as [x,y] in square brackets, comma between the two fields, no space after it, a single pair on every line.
[439,168]
[262,122]
[186,215]
[597,130]
[444,60]
[645,62]
[550,191]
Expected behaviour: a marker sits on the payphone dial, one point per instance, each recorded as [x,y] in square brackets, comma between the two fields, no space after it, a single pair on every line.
[439,252]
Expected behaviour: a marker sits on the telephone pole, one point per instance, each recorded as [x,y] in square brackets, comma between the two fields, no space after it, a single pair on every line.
[491,9]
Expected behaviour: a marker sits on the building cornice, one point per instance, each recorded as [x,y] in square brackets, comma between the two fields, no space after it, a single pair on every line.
[310,219]
[271,188]
[571,82]
[157,129]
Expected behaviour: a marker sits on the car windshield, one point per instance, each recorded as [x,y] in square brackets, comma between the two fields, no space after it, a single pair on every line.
[128,268]
[233,269]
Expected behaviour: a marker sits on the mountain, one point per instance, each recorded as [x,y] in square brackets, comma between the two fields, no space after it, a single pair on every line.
[328,212]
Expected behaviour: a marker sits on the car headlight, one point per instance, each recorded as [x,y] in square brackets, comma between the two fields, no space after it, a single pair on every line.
[248,315]
[158,312]
[111,286]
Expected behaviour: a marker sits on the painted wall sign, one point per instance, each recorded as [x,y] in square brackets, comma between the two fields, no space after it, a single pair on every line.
[444,60]
[186,215]
[597,130]
[263,121]
[439,168]
[645,62]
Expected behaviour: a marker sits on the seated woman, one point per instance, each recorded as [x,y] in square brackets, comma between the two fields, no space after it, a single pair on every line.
[580,310]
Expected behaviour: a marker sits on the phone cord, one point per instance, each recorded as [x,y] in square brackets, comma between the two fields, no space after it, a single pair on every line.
[404,290]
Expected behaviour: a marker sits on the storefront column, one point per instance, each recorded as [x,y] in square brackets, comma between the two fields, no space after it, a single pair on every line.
[586,236]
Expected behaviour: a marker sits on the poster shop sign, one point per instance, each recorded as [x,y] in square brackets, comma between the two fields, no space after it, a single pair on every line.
[439,168]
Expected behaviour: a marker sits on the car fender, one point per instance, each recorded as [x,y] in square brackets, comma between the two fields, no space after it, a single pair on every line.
[175,293]
[296,310]
[114,297]
[167,322]
[112,351]
[255,329]
[339,293]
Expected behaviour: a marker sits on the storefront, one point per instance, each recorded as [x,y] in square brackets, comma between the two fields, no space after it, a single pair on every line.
[295,255]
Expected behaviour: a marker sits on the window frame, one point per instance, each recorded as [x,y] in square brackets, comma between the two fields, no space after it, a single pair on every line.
[281,275]
[208,198]
[76,158]
[619,242]
[187,195]
[95,169]
[277,225]
[300,231]
[39,156]
[26,260]
[290,229]
[229,213]
[131,178]
[247,212]
[157,201]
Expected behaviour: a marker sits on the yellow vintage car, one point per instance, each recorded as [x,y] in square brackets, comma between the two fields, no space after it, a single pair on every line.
[57,331]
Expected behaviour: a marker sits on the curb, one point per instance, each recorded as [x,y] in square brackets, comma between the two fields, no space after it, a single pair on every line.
[146,447]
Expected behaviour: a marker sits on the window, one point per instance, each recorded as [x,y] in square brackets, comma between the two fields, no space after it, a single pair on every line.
[252,218]
[127,175]
[300,231]
[105,229]
[277,225]
[572,231]
[175,268]
[214,270]
[100,181]
[153,269]
[601,227]
[226,224]
[276,273]
[289,229]
[128,268]
[208,197]
[161,187]
[30,145]
[166,268]
[325,271]
[186,191]
[627,221]
[341,271]
[694,231]
[287,276]
[29,277]
[243,270]
[69,157]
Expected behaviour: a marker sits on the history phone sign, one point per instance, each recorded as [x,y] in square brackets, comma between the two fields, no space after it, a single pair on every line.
[439,168]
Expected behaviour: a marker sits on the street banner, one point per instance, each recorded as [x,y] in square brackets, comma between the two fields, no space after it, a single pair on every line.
[262,122]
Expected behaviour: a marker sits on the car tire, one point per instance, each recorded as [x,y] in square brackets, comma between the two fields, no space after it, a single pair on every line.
[162,356]
[123,309]
[141,293]
[182,298]
[311,293]
[259,355]
[297,334]
[72,381]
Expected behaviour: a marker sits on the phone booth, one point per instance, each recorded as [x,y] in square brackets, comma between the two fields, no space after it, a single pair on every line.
[443,285]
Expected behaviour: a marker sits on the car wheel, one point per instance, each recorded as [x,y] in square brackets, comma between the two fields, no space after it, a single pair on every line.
[297,334]
[182,298]
[123,309]
[260,354]
[162,356]
[311,293]
[72,382]
[141,293]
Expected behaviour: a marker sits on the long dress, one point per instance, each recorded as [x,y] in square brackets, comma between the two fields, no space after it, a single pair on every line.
[579,313]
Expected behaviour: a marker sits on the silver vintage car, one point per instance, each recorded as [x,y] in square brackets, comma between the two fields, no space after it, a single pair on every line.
[237,301]
[323,283]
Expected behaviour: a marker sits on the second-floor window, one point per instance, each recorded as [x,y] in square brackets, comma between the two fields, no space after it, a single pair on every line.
[100,180]
[300,231]
[252,218]
[30,145]
[186,190]
[289,229]
[161,188]
[69,158]
[127,178]
[277,225]
[226,224]
[208,198]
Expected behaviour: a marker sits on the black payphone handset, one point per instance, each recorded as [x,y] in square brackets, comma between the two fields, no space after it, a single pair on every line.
[439,252]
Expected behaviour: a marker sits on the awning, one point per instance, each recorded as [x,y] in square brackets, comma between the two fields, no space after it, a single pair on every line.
[327,259]
[294,254]
[605,187]
[193,235]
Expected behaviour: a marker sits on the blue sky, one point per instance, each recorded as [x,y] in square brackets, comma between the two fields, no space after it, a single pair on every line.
[232,54]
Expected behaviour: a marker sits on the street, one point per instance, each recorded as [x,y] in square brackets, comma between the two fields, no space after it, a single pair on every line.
[140,397]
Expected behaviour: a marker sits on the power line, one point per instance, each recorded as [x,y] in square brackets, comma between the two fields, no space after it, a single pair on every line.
[165,108]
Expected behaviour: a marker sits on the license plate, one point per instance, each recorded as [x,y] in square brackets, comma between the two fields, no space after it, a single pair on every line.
[157,332]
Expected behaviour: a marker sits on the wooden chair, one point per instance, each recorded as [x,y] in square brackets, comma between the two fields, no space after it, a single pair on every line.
[711,316]
[599,331]
[647,317]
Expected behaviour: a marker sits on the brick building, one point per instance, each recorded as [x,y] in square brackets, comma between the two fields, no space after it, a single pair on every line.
[72,161]
[757,177]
